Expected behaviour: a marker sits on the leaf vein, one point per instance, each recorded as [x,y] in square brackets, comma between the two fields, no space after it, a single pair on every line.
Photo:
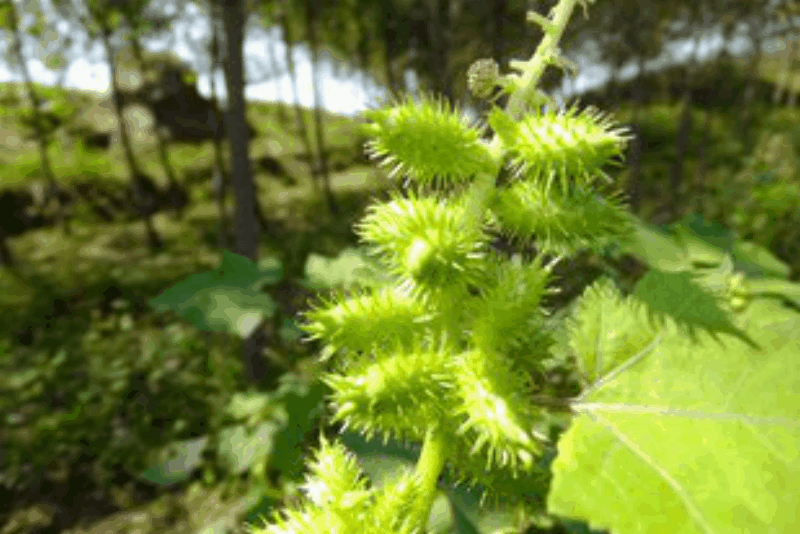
[692,507]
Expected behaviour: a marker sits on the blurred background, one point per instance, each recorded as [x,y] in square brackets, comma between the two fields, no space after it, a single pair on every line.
[139,139]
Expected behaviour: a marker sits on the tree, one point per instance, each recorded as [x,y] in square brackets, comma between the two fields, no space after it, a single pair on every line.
[234,16]
[43,133]
[100,18]
[283,19]
[320,167]
[221,178]
[134,16]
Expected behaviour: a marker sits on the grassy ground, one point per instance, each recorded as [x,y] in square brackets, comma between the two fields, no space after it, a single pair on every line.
[81,272]
[96,250]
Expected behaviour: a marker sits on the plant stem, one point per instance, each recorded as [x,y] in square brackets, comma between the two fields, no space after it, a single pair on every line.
[429,467]
[531,71]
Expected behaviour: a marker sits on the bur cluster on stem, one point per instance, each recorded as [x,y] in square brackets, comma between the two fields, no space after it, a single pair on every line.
[443,355]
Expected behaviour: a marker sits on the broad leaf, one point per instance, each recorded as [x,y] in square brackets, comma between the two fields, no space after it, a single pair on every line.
[775,286]
[699,251]
[465,515]
[240,448]
[656,248]
[703,237]
[352,266]
[182,459]
[227,299]
[606,329]
[695,437]
[755,260]
[686,301]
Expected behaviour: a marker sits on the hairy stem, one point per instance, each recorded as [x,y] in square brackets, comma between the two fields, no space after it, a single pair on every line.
[532,70]
[429,467]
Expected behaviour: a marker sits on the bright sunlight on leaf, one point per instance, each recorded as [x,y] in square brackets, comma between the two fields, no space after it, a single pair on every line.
[696,437]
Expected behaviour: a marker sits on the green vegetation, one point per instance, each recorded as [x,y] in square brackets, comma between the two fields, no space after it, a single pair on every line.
[79,338]
[451,348]
[84,353]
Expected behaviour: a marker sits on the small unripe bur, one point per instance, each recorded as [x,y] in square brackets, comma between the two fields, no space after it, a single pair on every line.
[482,77]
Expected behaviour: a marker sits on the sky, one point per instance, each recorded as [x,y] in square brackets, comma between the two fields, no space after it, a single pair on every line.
[342,89]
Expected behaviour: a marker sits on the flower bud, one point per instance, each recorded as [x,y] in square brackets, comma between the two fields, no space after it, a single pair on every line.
[482,77]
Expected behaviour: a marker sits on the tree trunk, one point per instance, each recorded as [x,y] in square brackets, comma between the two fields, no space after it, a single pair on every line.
[682,138]
[176,193]
[754,65]
[241,175]
[637,148]
[220,177]
[298,109]
[42,137]
[247,231]
[322,152]
[439,34]
[154,240]
[391,47]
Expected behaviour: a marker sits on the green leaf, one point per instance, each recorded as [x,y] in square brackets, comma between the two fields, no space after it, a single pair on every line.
[227,299]
[681,300]
[577,527]
[462,522]
[352,266]
[301,400]
[271,268]
[606,330]
[708,236]
[227,309]
[715,279]
[246,405]
[775,286]
[656,248]
[697,437]
[184,459]
[699,251]
[241,448]
[380,461]
[755,260]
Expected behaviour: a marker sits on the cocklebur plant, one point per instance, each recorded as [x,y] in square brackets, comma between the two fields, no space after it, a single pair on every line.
[444,354]
[427,359]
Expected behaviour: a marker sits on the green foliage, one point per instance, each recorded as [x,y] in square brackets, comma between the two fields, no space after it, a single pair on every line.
[606,330]
[227,299]
[713,256]
[421,359]
[701,436]
[144,394]
[89,391]
[687,416]
[767,191]
[115,392]
[350,268]
[261,431]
